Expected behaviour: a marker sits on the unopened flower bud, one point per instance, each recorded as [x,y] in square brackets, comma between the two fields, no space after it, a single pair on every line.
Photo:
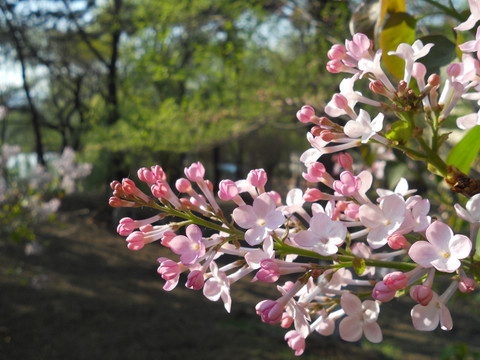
[345,160]
[396,280]
[305,114]
[396,241]
[195,172]
[382,292]
[257,178]
[377,87]
[183,185]
[336,52]
[454,69]
[312,195]
[434,80]
[466,285]
[227,190]
[195,280]
[421,294]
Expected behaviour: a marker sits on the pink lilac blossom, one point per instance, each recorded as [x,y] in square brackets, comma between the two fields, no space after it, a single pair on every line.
[260,219]
[361,319]
[443,250]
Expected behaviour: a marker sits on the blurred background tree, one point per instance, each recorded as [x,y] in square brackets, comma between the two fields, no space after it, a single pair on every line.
[133,83]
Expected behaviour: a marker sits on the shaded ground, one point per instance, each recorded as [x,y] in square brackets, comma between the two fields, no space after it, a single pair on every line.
[88,297]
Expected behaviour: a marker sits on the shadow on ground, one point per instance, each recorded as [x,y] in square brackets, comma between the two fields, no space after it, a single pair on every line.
[85,296]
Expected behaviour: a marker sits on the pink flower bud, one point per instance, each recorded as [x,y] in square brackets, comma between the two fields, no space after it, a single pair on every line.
[114,184]
[396,241]
[126,226]
[466,285]
[209,185]
[336,52]
[146,228]
[167,237]
[345,160]
[269,271]
[377,87]
[327,135]
[382,292]
[419,70]
[195,172]
[335,66]
[454,69]
[352,210]
[287,320]
[135,241]
[115,202]
[316,130]
[168,269]
[270,311]
[227,190]
[434,80]
[312,195]
[129,186]
[340,101]
[348,184]
[158,173]
[195,280]
[159,189]
[421,294]
[257,178]
[396,280]
[183,185]
[295,342]
[305,114]
[315,172]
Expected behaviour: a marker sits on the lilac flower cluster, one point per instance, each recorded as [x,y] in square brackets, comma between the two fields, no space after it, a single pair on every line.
[337,253]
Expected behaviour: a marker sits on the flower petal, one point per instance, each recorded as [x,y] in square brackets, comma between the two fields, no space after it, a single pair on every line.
[423,253]
[373,332]
[350,329]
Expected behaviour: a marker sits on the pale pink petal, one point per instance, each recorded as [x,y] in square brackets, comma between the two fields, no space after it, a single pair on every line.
[263,205]
[468,24]
[351,304]
[460,246]
[462,213]
[194,232]
[244,216]
[393,206]
[446,322]
[423,253]
[212,289]
[373,332]
[255,235]
[467,121]
[306,238]
[354,129]
[426,318]
[370,215]
[469,46]
[439,235]
[378,237]
[350,329]
[274,220]
[371,309]
[310,155]
[448,265]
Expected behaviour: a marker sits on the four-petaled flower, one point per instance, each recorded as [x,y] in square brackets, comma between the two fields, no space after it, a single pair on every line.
[443,250]
[324,235]
[260,219]
[361,319]
[363,127]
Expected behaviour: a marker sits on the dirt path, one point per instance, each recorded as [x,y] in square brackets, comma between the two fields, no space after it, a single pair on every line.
[88,297]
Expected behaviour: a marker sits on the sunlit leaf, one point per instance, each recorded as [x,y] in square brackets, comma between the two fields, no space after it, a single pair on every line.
[358,265]
[399,28]
[465,151]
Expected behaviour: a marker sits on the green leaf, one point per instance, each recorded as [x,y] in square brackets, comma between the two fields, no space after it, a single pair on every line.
[399,28]
[400,131]
[465,151]
[358,265]
[443,53]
